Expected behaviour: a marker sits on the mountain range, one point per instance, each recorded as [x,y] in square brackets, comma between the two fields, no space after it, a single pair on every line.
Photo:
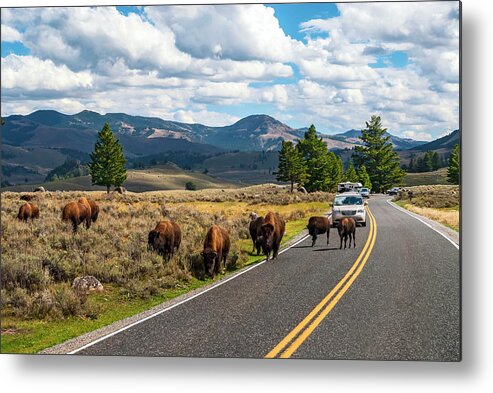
[34,144]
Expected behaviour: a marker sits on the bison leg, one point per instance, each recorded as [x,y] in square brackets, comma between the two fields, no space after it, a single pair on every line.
[88,222]
[314,239]
[340,247]
[254,246]
[74,225]
[354,239]
[328,233]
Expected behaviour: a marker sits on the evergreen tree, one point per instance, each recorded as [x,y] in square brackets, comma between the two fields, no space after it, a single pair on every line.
[411,167]
[435,161]
[335,173]
[453,172]
[318,163]
[364,177]
[107,167]
[350,174]
[382,163]
[428,161]
[292,167]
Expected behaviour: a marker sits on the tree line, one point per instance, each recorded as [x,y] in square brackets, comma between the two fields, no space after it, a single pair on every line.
[374,164]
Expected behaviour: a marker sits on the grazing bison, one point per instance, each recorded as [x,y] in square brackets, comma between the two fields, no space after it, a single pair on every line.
[76,213]
[92,206]
[271,233]
[28,211]
[216,249]
[318,226]
[165,238]
[347,228]
[254,229]
[26,198]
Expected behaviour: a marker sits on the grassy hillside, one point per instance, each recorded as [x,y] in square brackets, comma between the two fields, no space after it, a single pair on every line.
[426,178]
[39,307]
[164,177]
[243,167]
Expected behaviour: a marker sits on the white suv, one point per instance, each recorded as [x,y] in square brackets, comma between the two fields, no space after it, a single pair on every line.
[349,204]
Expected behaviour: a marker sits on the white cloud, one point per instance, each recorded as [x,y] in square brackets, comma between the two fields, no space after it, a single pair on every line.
[237,32]
[419,136]
[205,117]
[9,34]
[28,73]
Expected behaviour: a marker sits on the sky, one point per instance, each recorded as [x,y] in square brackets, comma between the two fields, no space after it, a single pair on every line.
[329,64]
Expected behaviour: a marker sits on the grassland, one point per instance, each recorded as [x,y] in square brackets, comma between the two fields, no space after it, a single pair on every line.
[163,177]
[41,259]
[438,202]
[426,178]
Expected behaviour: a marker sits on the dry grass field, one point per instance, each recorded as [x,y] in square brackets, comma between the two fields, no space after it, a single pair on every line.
[40,259]
[437,202]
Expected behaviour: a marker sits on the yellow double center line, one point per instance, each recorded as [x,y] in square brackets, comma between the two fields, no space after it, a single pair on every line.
[300,333]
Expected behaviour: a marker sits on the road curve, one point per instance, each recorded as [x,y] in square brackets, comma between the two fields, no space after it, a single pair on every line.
[396,296]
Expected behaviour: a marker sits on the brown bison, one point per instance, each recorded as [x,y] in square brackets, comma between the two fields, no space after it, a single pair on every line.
[216,249]
[271,233]
[28,211]
[26,197]
[92,206]
[318,226]
[165,238]
[347,228]
[76,213]
[254,229]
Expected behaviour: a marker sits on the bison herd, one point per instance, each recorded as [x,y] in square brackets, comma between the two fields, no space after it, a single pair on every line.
[266,232]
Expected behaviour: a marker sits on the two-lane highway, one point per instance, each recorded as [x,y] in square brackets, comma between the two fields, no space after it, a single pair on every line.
[395,296]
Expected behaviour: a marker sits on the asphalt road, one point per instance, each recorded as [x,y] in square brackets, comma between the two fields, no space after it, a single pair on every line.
[396,296]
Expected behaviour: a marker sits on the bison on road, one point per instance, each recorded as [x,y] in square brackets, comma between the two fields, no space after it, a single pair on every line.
[76,213]
[216,249]
[347,228]
[28,211]
[254,229]
[318,226]
[271,233]
[165,238]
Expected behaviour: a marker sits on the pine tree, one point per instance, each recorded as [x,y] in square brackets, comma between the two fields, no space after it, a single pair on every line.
[435,161]
[364,177]
[428,161]
[335,173]
[350,174]
[316,154]
[292,167]
[107,167]
[382,163]
[453,172]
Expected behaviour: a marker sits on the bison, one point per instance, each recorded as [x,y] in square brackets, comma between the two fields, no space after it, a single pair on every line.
[347,228]
[165,238]
[28,211]
[271,233]
[92,206]
[254,229]
[76,213]
[318,226]
[26,197]
[216,249]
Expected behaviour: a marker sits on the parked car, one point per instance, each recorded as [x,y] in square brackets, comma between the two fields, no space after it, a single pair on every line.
[349,205]
[365,192]
[393,191]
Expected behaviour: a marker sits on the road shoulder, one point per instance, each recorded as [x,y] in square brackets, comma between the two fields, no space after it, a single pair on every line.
[448,233]
[89,338]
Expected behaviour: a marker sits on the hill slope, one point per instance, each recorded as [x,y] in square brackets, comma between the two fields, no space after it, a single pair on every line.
[163,177]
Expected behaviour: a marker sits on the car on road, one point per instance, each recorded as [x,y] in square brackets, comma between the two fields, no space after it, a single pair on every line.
[365,192]
[349,205]
[393,191]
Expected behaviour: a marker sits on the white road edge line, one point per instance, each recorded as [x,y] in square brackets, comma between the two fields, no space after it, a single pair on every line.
[179,303]
[389,201]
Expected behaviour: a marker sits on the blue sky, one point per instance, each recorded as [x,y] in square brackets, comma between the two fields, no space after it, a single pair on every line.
[333,65]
